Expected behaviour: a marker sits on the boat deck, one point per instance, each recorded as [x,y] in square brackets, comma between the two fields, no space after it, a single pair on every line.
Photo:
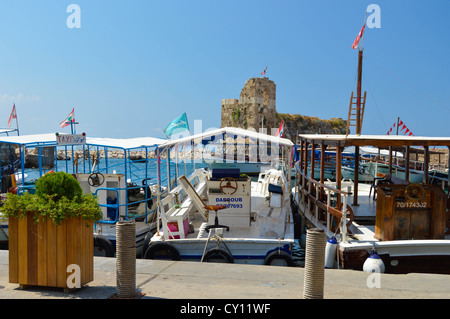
[260,217]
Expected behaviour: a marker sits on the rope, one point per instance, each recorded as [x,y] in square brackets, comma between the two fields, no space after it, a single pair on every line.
[314,264]
[218,239]
[126,259]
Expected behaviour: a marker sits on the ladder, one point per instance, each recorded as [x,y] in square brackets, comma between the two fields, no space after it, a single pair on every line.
[352,111]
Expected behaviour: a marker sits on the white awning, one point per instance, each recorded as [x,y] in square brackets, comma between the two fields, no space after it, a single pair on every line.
[231,132]
[50,139]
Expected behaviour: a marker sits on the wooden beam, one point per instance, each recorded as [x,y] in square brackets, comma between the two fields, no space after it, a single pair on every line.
[322,163]
[356,178]
[425,165]
[408,151]
[313,160]
[338,171]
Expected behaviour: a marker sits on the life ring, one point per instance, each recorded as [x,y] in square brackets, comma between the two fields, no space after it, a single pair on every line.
[162,251]
[218,255]
[279,258]
[104,246]
[362,170]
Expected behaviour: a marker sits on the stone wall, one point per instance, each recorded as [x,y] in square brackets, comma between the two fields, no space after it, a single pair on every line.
[256,108]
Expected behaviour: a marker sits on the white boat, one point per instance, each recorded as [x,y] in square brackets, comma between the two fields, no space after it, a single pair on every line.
[223,216]
[112,183]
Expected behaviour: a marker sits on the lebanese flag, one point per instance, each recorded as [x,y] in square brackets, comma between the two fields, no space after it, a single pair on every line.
[358,37]
[69,118]
[13,115]
[264,72]
[280,132]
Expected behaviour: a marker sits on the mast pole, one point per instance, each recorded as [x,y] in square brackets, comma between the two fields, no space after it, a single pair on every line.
[358,88]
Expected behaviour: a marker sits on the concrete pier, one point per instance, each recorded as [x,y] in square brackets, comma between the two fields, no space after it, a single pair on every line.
[194,280]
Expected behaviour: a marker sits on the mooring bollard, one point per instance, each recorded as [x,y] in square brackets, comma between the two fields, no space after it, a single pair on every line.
[314,264]
[126,259]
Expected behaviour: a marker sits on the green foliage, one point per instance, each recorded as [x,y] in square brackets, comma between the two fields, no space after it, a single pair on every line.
[59,185]
[52,203]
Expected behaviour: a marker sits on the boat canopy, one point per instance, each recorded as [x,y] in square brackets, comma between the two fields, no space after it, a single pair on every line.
[375,140]
[49,139]
[227,132]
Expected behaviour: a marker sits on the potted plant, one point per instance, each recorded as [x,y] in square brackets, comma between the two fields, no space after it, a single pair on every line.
[51,233]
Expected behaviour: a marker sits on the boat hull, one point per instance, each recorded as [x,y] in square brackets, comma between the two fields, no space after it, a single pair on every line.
[400,256]
[252,251]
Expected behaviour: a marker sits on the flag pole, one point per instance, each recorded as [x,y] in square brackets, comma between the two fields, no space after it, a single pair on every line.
[358,88]
[17,121]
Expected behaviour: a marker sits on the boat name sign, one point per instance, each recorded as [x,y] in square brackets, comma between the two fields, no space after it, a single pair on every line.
[71,139]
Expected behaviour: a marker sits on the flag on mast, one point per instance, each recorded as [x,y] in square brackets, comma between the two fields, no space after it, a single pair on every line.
[280,132]
[69,118]
[264,72]
[13,115]
[178,125]
[358,37]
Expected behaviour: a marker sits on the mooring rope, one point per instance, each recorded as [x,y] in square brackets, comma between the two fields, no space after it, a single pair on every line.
[126,259]
[314,264]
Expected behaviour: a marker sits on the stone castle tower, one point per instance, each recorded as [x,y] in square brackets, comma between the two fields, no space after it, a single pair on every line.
[255,108]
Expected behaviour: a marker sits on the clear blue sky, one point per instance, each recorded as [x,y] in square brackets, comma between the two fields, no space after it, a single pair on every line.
[133,66]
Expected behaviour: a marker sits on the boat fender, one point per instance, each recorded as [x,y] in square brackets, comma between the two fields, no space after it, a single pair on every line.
[374,263]
[216,254]
[330,252]
[104,246]
[297,226]
[275,257]
[162,251]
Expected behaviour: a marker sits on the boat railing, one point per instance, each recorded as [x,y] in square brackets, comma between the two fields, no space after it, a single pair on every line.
[324,204]
[117,205]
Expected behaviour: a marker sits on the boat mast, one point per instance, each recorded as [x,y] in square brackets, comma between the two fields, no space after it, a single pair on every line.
[358,89]
[359,85]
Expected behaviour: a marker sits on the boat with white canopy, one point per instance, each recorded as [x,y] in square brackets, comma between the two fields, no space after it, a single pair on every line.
[223,215]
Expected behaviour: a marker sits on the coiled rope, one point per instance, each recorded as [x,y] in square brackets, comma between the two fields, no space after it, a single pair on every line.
[126,259]
[314,264]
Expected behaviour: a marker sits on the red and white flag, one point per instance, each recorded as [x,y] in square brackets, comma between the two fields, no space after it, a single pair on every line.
[13,115]
[264,72]
[358,37]
[280,132]
[69,118]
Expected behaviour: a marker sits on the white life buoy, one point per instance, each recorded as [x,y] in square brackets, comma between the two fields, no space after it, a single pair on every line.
[373,263]
[330,252]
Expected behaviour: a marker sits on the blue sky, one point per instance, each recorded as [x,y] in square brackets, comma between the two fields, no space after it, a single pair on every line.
[133,66]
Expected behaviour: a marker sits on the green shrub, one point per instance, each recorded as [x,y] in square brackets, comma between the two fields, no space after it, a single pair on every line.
[58,197]
[58,185]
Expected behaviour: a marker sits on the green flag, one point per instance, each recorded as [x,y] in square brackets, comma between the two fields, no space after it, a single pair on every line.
[180,124]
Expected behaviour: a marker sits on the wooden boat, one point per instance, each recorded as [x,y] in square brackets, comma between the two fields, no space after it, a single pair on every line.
[406,223]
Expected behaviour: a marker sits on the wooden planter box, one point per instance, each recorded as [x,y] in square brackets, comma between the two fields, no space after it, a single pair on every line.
[39,253]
